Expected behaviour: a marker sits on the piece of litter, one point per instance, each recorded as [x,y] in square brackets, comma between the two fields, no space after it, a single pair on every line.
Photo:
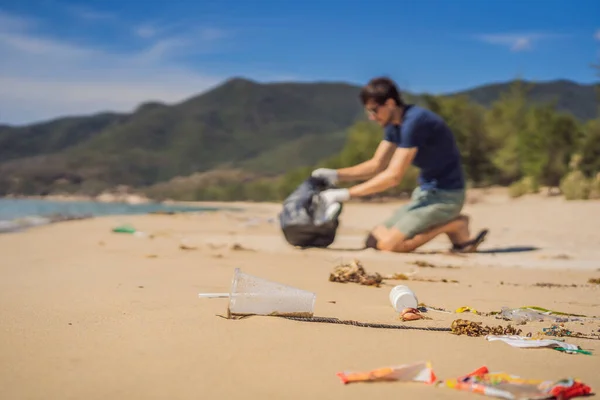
[466,309]
[411,314]
[524,342]
[213,295]
[508,386]
[418,372]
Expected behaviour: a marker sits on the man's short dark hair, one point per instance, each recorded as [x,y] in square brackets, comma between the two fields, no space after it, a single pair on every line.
[379,90]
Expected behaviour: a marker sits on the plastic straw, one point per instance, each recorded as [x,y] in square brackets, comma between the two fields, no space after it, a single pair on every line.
[213,295]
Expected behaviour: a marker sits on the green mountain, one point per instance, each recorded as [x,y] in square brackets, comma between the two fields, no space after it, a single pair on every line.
[579,100]
[261,128]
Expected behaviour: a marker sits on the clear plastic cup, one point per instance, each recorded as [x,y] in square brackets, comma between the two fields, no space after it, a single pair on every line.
[251,295]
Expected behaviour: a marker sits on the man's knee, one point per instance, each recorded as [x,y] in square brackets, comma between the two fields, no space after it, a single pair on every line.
[396,246]
[461,218]
[385,239]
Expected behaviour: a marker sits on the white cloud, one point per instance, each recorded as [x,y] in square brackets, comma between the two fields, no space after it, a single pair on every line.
[211,34]
[145,31]
[9,22]
[515,41]
[91,15]
[44,77]
[27,45]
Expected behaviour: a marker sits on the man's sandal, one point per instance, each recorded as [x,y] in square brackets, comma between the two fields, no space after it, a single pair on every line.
[471,245]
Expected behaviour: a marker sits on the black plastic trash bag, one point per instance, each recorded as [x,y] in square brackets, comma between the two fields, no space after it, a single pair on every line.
[301,219]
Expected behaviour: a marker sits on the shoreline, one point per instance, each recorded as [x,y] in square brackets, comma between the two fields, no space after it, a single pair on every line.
[473,195]
[18,217]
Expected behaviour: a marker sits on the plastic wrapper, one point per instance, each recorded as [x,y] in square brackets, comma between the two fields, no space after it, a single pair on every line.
[418,372]
[511,387]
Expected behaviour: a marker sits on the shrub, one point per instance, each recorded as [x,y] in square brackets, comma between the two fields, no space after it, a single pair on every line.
[517,189]
[524,186]
[595,187]
[575,186]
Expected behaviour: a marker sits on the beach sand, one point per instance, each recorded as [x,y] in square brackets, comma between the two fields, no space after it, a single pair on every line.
[90,314]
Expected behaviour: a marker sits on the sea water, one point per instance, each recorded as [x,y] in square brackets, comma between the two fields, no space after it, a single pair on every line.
[16,214]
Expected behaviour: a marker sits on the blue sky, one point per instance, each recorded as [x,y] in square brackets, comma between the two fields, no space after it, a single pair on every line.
[61,57]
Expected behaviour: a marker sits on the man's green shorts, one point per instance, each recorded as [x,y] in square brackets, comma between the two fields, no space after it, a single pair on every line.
[427,208]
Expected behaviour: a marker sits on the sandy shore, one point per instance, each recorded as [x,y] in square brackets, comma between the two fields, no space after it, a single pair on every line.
[89,314]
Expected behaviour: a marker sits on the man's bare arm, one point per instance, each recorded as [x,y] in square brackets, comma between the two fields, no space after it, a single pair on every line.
[369,168]
[392,176]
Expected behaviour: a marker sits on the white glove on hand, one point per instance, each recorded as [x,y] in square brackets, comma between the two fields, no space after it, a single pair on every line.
[334,196]
[330,175]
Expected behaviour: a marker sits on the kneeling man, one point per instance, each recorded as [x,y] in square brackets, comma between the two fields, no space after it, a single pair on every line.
[412,135]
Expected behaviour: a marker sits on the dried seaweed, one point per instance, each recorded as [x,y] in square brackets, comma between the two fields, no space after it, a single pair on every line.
[426,264]
[553,285]
[443,280]
[355,273]
[470,328]
[397,277]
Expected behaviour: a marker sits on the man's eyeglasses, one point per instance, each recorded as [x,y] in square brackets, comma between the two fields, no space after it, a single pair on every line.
[372,111]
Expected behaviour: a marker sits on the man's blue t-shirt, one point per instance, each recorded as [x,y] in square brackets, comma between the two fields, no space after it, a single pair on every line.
[437,156]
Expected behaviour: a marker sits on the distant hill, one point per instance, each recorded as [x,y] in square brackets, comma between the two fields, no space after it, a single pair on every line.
[579,100]
[263,128]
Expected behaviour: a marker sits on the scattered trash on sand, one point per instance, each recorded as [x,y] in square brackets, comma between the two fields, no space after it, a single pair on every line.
[594,281]
[520,315]
[508,386]
[481,381]
[418,372]
[355,273]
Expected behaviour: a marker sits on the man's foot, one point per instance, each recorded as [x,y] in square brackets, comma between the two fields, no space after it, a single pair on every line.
[471,245]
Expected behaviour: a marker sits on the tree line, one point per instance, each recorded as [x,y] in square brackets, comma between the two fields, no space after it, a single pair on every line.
[513,143]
